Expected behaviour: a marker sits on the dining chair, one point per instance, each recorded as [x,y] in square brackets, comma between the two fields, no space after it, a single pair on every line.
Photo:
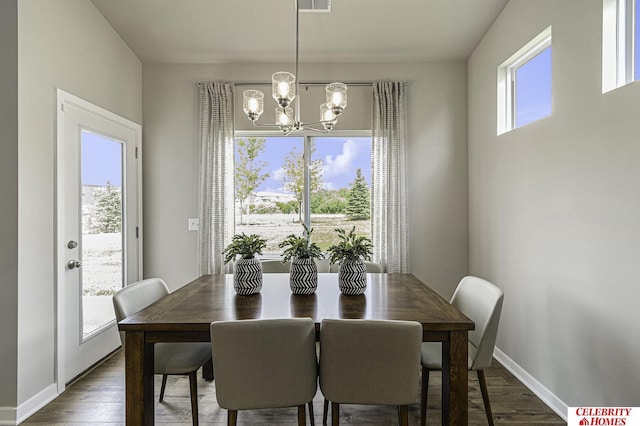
[169,358]
[369,362]
[480,301]
[275,266]
[323,265]
[265,363]
[372,267]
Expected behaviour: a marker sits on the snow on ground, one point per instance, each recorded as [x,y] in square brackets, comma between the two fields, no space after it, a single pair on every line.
[101,263]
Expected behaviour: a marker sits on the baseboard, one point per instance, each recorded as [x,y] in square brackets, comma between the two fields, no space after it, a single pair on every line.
[16,415]
[548,397]
[8,416]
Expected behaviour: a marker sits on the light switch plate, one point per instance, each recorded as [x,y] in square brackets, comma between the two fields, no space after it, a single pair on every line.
[194,224]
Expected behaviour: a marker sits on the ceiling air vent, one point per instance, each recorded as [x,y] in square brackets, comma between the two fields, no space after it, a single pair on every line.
[314,5]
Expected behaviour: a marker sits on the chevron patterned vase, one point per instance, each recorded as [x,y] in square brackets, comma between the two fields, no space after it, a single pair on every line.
[303,276]
[352,277]
[247,278]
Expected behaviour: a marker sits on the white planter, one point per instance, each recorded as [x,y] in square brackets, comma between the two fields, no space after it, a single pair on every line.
[352,277]
[303,276]
[247,278]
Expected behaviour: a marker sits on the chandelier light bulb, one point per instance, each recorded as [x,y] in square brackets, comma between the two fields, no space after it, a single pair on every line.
[283,116]
[327,117]
[253,103]
[283,89]
[326,114]
[337,97]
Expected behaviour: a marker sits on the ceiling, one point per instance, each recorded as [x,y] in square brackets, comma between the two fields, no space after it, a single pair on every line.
[253,31]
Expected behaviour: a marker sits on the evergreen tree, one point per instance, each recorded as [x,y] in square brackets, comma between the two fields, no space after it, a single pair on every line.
[358,201]
[107,216]
[248,169]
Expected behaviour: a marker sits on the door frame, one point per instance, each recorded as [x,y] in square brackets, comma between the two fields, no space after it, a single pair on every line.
[63,98]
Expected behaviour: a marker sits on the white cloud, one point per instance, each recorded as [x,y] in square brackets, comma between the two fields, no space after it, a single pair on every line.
[278,174]
[341,163]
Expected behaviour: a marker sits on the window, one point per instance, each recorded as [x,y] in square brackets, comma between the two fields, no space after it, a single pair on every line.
[272,199]
[620,43]
[524,84]
[636,40]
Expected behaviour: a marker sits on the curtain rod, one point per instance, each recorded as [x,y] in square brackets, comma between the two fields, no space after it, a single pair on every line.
[305,84]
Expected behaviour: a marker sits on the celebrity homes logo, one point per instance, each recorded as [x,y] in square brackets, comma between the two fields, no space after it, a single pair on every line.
[603,416]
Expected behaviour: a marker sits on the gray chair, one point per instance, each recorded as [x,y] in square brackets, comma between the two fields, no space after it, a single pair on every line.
[169,358]
[480,301]
[323,265]
[369,362]
[372,267]
[275,266]
[268,363]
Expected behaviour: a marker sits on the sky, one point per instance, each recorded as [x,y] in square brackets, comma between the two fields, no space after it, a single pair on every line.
[340,156]
[101,160]
[533,89]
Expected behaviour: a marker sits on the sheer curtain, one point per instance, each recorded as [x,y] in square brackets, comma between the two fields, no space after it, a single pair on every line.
[216,175]
[389,161]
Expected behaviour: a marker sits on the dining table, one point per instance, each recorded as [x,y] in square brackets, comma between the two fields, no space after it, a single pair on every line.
[185,315]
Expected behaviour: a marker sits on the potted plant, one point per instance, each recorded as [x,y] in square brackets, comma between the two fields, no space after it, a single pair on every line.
[303,276]
[247,277]
[350,253]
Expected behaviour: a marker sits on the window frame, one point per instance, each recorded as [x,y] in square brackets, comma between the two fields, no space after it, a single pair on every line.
[507,79]
[618,43]
[307,136]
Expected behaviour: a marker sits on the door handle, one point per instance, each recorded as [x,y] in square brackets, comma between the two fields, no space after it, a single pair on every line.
[72,264]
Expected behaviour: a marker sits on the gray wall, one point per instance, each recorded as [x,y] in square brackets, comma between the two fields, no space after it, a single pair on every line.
[554,210]
[64,44]
[437,159]
[9,204]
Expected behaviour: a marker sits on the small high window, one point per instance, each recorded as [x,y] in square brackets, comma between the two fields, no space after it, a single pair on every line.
[620,43]
[524,84]
[636,39]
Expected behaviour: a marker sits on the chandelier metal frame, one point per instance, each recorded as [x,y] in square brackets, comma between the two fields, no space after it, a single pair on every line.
[285,90]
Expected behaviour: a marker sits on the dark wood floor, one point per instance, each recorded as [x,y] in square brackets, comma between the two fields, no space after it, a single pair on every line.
[98,399]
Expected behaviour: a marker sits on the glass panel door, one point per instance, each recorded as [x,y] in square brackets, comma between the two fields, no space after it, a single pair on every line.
[102,272]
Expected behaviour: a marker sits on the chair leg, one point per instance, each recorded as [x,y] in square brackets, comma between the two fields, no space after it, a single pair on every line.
[302,415]
[335,414]
[325,410]
[164,384]
[311,419]
[423,397]
[403,415]
[485,396]
[232,417]
[193,385]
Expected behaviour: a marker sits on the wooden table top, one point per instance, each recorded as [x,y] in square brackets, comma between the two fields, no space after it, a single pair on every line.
[212,298]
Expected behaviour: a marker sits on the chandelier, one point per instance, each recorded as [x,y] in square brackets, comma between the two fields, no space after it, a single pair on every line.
[285,86]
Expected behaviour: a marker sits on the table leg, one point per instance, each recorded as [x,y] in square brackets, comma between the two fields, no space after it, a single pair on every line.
[455,373]
[138,379]
[207,370]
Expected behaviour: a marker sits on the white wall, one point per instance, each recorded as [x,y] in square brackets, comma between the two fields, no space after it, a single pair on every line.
[64,44]
[554,210]
[9,204]
[437,159]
